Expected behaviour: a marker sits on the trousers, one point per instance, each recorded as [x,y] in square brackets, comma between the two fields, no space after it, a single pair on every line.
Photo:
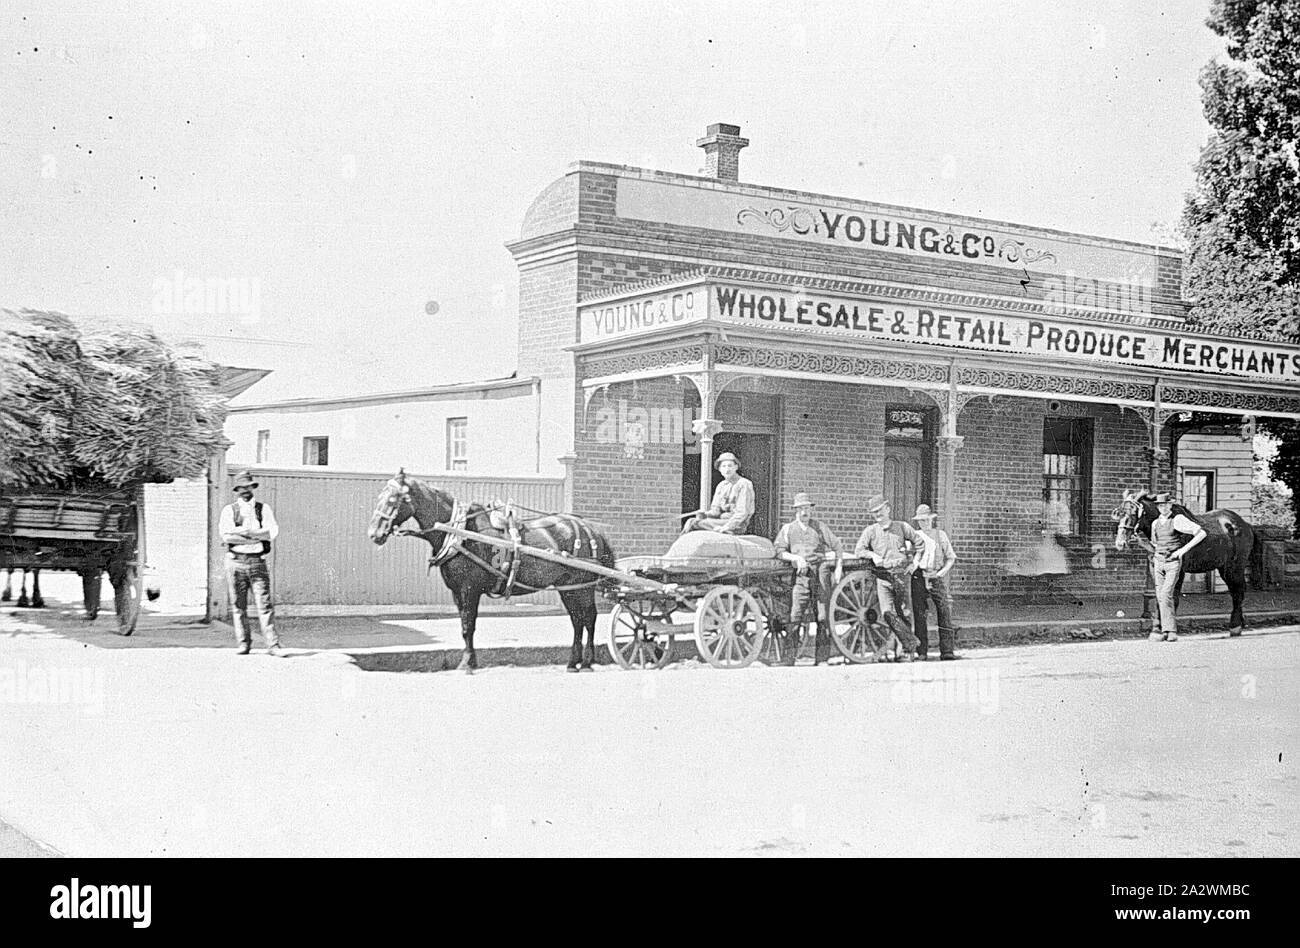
[1165,572]
[246,573]
[932,589]
[895,596]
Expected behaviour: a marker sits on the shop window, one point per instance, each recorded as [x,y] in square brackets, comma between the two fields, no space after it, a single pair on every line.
[457,444]
[1067,474]
[263,445]
[316,451]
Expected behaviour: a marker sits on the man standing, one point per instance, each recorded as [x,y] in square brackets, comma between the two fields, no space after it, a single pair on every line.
[247,528]
[930,582]
[1167,561]
[733,501]
[805,541]
[898,548]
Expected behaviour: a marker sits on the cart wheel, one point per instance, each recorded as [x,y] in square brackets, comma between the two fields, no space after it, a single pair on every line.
[858,628]
[782,643]
[634,643]
[729,627]
[126,600]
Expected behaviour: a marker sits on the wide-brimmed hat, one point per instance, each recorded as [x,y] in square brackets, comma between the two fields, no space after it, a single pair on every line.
[801,499]
[1165,498]
[243,479]
[726,456]
[923,512]
[876,502]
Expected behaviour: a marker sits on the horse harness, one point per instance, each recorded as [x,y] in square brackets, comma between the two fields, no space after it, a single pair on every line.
[505,564]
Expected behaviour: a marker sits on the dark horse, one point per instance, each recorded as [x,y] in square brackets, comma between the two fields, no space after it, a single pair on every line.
[36,602]
[472,569]
[1226,547]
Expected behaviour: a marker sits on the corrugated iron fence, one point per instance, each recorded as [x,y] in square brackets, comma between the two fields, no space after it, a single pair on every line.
[324,557]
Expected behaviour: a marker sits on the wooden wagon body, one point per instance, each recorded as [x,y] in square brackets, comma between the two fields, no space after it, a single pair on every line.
[89,532]
[736,601]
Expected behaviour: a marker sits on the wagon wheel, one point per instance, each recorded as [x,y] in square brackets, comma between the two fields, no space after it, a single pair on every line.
[859,630]
[634,643]
[126,599]
[729,627]
[783,643]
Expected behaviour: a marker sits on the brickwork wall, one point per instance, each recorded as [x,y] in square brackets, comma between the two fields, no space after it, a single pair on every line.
[998,494]
[635,498]
[176,536]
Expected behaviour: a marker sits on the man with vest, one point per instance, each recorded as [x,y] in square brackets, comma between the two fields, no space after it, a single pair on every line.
[930,584]
[1167,561]
[247,528]
[805,541]
[733,501]
[898,548]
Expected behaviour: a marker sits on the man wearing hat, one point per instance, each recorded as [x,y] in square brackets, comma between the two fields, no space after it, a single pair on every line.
[733,501]
[898,548]
[803,539]
[930,582]
[247,528]
[1167,561]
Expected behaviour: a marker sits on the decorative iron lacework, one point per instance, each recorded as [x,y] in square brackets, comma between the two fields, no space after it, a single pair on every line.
[829,364]
[1065,385]
[654,359]
[1246,401]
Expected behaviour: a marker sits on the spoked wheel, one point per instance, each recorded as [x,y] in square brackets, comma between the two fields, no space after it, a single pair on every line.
[859,630]
[637,643]
[782,644]
[729,627]
[126,599]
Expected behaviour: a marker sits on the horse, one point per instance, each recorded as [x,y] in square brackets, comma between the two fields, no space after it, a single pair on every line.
[472,569]
[36,601]
[1226,548]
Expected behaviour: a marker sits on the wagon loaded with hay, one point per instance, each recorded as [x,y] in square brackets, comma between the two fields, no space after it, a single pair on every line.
[90,412]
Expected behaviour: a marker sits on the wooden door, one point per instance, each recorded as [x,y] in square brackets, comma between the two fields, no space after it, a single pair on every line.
[904,479]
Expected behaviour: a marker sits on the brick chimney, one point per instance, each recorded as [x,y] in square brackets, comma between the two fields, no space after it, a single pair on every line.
[722,144]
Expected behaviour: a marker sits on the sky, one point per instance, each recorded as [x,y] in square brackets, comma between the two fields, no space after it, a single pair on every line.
[337,167]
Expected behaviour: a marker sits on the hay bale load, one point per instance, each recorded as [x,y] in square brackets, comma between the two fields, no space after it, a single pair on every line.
[104,404]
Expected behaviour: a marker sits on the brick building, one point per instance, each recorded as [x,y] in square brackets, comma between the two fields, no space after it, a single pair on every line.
[1008,375]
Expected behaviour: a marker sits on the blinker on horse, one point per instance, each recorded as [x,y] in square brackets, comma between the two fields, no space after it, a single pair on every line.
[472,569]
[1226,548]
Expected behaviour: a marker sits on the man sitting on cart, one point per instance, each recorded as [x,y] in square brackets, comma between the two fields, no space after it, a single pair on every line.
[805,541]
[733,501]
[898,548]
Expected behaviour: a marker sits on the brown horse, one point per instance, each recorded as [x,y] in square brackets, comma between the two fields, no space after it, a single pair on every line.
[1226,547]
[472,570]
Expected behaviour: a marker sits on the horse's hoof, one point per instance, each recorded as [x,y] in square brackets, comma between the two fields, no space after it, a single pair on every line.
[1233,633]
[571,668]
[587,668]
[38,603]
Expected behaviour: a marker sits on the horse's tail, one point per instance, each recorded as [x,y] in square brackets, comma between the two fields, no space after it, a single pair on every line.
[1256,567]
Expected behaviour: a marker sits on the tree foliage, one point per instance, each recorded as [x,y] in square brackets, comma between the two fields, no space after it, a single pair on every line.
[1242,219]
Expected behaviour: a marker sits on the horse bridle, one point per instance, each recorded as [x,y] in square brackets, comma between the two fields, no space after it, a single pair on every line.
[396,494]
[1127,514]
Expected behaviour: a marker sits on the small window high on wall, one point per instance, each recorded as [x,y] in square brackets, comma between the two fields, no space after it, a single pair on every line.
[263,446]
[457,444]
[316,451]
[1067,475]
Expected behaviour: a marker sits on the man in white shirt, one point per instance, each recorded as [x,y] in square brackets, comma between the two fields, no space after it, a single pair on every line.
[930,582]
[1167,532]
[733,501]
[247,528]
